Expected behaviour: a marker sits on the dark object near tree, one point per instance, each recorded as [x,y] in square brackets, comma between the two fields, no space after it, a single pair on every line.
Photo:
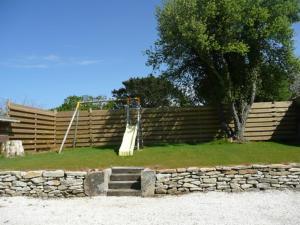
[153,91]
[5,128]
[228,51]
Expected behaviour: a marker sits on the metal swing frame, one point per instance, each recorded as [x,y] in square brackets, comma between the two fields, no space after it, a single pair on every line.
[75,116]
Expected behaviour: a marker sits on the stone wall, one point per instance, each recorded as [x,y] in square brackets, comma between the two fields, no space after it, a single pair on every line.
[45,184]
[66,184]
[229,179]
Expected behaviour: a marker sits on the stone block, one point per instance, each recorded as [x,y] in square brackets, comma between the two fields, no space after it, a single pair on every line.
[263,186]
[189,185]
[209,180]
[96,183]
[38,180]
[247,171]
[223,168]
[279,166]
[231,172]
[13,148]
[53,183]
[148,179]
[204,169]
[197,182]
[294,170]
[172,191]
[246,186]
[192,169]
[235,185]
[32,174]
[8,179]
[76,173]
[55,173]
[181,170]
[160,191]
[163,177]
[196,189]
[252,182]
[166,171]
[19,183]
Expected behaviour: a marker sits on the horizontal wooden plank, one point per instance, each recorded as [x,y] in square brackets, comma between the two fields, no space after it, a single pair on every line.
[179,136]
[69,114]
[108,113]
[24,125]
[283,104]
[178,109]
[270,119]
[29,131]
[21,108]
[275,114]
[30,136]
[32,121]
[81,136]
[94,140]
[38,142]
[268,133]
[186,132]
[20,115]
[67,120]
[41,146]
[271,128]
[271,137]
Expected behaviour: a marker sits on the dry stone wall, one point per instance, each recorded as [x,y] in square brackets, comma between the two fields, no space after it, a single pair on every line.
[45,184]
[65,184]
[229,179]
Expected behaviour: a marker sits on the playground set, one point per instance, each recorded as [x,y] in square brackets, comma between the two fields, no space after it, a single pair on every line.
[132,137]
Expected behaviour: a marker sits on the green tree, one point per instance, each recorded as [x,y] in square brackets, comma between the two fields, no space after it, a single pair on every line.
[295,87]
[153,91]
[228,51]
[71,102]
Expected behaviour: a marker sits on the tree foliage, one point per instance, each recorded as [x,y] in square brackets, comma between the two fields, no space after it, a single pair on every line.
[228,51]
[296,87]
[153,91]
[71,102]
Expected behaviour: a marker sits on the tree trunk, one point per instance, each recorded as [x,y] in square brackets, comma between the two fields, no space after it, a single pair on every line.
[240,110]
[240,115]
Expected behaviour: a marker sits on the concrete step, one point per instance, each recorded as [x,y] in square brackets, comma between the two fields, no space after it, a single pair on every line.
[125,177]
[134,170]
[123,192]
[124,185]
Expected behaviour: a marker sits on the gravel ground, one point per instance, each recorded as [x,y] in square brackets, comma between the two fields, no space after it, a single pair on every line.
[261,208]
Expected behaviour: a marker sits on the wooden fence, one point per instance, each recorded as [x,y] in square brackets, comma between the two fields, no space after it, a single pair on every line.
[36,128]
[41,129]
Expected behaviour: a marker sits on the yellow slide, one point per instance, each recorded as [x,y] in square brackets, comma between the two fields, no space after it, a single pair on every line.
[128,141]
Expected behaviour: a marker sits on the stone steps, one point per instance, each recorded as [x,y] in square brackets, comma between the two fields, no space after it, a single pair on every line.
[127,170]
[125,181]
[125,177]
[124,192]
[124,185]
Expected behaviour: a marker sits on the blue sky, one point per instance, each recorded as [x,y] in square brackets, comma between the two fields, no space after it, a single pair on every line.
[51,49]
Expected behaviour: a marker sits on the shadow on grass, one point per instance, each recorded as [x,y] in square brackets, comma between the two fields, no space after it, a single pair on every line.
[114,148]
[294,143]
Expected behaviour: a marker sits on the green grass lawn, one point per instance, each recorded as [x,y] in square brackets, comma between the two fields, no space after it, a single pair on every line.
[164,156]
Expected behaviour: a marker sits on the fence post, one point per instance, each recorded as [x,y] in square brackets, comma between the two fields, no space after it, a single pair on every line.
[7,107]
[297,101]
[90,127]
[274,111]
[35,131]
[54,129]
